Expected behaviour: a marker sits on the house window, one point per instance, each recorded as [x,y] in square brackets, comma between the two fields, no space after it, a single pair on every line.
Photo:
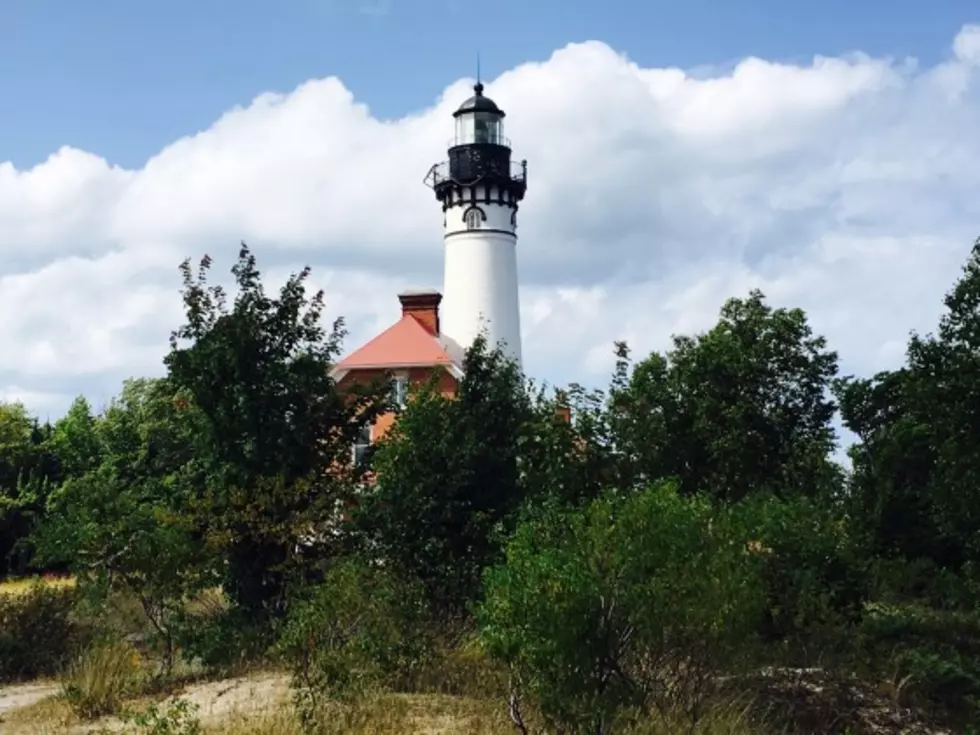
[472,218]
[362,443]
[399,390]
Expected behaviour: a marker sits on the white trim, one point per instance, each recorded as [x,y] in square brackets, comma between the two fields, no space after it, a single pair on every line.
[338,373]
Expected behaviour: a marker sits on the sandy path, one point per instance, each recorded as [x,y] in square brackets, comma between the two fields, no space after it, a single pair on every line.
[244,695]
[24,695]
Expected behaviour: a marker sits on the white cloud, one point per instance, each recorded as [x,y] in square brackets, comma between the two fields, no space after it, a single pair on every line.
[847,186]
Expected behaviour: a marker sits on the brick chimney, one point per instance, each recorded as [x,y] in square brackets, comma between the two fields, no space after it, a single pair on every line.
[423,306]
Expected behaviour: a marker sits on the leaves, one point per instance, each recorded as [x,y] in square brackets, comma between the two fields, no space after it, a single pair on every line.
[449,480]
[275,432]
[916,482]
[740,409]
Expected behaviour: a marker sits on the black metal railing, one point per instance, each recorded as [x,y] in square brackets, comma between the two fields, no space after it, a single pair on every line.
[440,174]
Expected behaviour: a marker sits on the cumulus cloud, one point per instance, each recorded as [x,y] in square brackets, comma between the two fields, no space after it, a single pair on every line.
[847,186]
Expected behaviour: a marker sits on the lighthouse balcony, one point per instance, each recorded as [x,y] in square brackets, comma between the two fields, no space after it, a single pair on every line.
[466,168]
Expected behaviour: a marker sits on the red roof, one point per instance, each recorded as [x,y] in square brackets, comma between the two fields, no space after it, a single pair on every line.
[406,343]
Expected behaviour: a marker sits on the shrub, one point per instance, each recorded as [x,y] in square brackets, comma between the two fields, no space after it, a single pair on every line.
[359,630]
[102,678]
[935,652]
[39,632]
[627,604]
[816,580]
[178,718]
[456,664]
[225,640]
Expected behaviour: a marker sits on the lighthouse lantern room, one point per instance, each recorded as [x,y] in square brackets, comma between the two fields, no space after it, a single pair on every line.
[480,189]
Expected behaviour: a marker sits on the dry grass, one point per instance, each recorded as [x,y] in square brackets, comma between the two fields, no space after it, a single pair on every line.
[102,678]
[260,704]
[23,585]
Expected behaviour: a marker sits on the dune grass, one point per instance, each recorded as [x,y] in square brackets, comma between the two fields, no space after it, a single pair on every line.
[23,585]
[386,714]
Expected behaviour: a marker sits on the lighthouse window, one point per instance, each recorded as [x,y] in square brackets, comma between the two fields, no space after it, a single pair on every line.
[472,218]
[479,127]
[482,131]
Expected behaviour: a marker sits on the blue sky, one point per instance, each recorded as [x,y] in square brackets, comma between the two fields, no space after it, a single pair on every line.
[123,78]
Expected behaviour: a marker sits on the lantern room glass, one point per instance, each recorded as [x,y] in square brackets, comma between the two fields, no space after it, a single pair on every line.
[479,127]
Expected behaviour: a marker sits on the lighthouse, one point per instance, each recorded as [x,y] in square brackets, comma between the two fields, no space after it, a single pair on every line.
[480,189]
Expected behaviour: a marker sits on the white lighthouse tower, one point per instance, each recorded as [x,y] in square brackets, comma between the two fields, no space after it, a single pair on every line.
[480,189]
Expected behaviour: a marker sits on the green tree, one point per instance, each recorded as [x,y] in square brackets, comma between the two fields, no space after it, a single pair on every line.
[742,408]
[74,439]
[916,482]
[449,480]
[28,471]
[115,522]
[619,607]
[567,449]
[276,432]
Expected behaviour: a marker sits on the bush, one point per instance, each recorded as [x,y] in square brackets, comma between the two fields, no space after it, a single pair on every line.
[457,665]
[39,632]
[628,604]
[360,630]
[179,718]
[102,678]
[935,653]
[225,640]
[816,580]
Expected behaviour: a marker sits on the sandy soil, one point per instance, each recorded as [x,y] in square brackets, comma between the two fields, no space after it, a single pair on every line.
[17,696]
[217,700]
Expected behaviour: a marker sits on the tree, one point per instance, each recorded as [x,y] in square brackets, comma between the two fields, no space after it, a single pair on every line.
[916,483]
[621,606]
[449,480]
[276,432]
[115,521]
[74,439]
[567,451]
[28,471]
[742,408]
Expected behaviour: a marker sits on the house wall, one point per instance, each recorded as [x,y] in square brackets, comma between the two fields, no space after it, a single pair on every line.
[446,385]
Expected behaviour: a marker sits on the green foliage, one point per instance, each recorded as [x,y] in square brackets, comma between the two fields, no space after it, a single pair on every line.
[625,604]
[935,652]
[75,440]
[275,432]
[691,505]
[917,468]
[115,523]
[39,632]
[816,579]
[226,643]
[358,631]
[568,449]
[740,409]
[178,718]
[28,469]
[449,480]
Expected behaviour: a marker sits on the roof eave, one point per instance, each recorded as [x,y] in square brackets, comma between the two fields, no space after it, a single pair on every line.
[339,372]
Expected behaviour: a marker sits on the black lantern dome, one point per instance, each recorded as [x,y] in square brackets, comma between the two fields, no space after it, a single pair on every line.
[479,103]
[479,153]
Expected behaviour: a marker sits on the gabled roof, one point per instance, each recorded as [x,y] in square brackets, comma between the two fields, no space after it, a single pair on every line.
[404,344]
